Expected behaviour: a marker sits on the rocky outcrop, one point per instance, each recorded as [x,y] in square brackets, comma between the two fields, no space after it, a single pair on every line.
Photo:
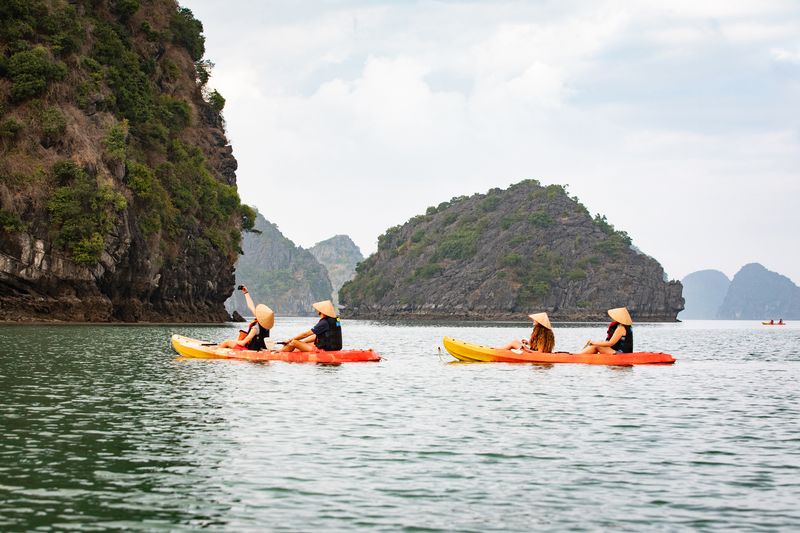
[278,273]
[507,253]
[703,292]
[339,255]
[756,293]
[118,192]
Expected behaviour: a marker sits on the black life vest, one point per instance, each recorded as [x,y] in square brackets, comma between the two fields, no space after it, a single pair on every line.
[330,340]
[625,343]
[258,342]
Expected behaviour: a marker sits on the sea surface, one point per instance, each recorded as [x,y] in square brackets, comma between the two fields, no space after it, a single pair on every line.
[104,428]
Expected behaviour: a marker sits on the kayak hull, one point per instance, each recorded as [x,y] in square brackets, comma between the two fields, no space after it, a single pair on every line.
[465,351]
[196,349]
[775,324]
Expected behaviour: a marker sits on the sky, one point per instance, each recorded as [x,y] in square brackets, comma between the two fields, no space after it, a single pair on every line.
[679,121]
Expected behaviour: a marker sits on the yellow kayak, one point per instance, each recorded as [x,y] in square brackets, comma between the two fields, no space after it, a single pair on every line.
[465,351]
[197,349]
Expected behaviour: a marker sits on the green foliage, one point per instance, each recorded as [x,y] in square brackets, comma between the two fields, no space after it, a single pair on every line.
[31,71]
[540,219]
[116,141]
[449,218]
[52,124]
[82,212]
[64,30]
[576,274]
[459,244]
[554,191]
[125,9]
[537,276]
[9,129]
[216,101]
[512,260]
[616,242]
[187,31]
[490,203]
[149,33]
[248,217]
[10,222]
[173,112]
[418,235]
[204,68]
[428,271]
[613,245]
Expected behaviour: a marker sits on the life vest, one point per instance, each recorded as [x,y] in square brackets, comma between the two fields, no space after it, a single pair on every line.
[330,340]
[258,342]
[625,343]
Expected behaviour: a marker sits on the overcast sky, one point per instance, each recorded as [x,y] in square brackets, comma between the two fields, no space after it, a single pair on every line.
[677,120]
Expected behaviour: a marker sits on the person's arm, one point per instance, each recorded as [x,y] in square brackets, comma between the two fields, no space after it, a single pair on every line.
[250,305]
[618,334]
[248,338]
[303,337]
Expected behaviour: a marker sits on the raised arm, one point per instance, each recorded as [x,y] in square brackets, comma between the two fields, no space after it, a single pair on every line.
[250,305]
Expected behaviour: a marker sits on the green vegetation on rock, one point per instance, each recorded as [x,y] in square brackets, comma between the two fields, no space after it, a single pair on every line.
[82,212]
[113,149]
[504,254]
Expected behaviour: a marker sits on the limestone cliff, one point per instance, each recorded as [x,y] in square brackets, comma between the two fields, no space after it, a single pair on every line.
[339,255]
[278,273]
[118,195]
[507,253]
[704,292]
[756,293]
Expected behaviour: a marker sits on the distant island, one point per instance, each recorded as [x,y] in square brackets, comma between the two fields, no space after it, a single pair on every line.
[504,254]
[278,273]
[339,255]
[755,293]
[703,291]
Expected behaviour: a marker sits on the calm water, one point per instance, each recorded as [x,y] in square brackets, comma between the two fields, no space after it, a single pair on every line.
[103,428]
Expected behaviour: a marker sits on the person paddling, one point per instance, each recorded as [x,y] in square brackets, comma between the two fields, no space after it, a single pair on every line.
[255,338]
[619,337]
[542,338]
[325,336]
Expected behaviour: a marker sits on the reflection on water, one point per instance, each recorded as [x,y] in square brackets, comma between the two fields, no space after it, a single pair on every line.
[105,428]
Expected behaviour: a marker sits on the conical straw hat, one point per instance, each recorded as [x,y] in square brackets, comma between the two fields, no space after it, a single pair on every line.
[326,308]
[541,318]
[265,316]
[621,315]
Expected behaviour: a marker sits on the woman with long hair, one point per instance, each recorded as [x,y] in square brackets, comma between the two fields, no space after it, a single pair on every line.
[541,340]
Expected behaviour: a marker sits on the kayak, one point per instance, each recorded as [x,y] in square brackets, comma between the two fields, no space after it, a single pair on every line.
[196,349]
[774,324]
[464,351]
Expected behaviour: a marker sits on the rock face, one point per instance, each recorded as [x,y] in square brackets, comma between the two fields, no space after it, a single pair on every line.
[505,254]
[118,195]
[277,273]
[756,293]
[704,292]
[339,255]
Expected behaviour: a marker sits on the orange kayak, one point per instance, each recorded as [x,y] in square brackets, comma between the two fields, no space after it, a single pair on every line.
[196,349]
[464,351]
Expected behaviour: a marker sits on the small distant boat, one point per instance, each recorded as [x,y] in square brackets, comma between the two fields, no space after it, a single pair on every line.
[473,353]
[197,349]
[774,323]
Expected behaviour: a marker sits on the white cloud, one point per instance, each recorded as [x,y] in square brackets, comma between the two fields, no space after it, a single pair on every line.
[374,111]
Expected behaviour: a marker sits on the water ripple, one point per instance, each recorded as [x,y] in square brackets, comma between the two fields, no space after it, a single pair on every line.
[104,429]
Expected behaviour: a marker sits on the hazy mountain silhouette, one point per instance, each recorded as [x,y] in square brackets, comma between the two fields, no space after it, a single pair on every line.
[758,294]
[703,294]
